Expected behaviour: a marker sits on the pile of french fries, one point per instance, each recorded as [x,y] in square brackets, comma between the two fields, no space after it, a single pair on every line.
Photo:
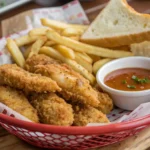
[61,41]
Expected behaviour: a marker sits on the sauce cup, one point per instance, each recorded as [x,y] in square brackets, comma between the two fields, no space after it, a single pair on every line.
[127,100]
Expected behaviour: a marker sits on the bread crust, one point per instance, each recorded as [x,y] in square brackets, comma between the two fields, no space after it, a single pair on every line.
[116,41]
[110,42]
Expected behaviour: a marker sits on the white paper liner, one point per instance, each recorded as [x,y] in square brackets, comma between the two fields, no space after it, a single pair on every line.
[119,115]
[72,13]
[8,111]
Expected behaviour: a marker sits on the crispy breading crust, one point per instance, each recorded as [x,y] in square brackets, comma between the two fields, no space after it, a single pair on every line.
[16,77]
[70,93]
[84,114]
[39,59]
[17,101]
[106,103]
[74,86]
[53,109]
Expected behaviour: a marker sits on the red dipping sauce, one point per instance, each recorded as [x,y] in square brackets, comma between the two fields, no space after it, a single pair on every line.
[129,79]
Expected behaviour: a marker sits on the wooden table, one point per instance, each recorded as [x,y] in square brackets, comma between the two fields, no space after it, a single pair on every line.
[10,142]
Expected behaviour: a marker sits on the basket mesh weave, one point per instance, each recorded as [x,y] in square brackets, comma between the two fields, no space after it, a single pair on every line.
[68,142]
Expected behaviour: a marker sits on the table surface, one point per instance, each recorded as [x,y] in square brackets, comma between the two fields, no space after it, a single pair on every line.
[10,142]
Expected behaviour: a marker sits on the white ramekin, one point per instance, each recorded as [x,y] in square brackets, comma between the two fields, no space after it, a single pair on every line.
[128,100]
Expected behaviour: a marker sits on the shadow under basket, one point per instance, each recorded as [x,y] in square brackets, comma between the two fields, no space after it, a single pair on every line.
[72,138]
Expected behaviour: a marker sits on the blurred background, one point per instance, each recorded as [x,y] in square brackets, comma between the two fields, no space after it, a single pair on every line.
[10,8]
[6,5]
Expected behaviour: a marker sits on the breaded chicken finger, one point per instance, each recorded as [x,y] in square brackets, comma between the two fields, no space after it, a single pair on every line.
[74,87]
[84,114]
[39,59]
[106,103]
[14,76]
[17,101]
[52,109]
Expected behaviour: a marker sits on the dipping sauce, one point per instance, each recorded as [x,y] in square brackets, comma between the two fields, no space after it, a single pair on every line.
[129,79]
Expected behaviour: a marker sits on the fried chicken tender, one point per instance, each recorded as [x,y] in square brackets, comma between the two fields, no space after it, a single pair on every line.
[17,101]
[74,86]
[53,109]
[70,93]
[39,59]
[106,103]
[14,76]
[86,114]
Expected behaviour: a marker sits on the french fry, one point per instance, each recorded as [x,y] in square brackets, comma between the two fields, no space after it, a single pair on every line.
[50,43]
[94,57]
[24,40]
[38,31]
[27,52]
[75,38]
[88,58]
[78,68]
[15,52]
[65,51]
[82,47]
[73,64]
[35,48]
[85,57]
[52,53]
[97,65]
[72,32]
[83,63]
[58,25]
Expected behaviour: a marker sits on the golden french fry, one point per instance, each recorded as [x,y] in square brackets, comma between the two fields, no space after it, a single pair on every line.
[38,31]
[27,52]
[78,68]
[50,43]
[24,40]
[97,65]
[35,48]
[58,25]
[75,38]
[65,51]
[88,58]
[83,63]
[72,32]
[15,52]
[73,64]
[52,53]
[94,57]
[82,47]
[85,57]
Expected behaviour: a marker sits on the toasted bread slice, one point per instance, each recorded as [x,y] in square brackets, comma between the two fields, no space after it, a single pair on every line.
[123,48]
[117,25]
[141,49]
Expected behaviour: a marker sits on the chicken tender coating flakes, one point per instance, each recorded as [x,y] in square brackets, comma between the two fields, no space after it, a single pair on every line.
[106,103]
[14,76]
[17,101]
[87,114]
[53,109]
[39,59]
[74,86]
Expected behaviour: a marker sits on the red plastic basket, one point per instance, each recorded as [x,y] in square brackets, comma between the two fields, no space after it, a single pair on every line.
[72,138]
